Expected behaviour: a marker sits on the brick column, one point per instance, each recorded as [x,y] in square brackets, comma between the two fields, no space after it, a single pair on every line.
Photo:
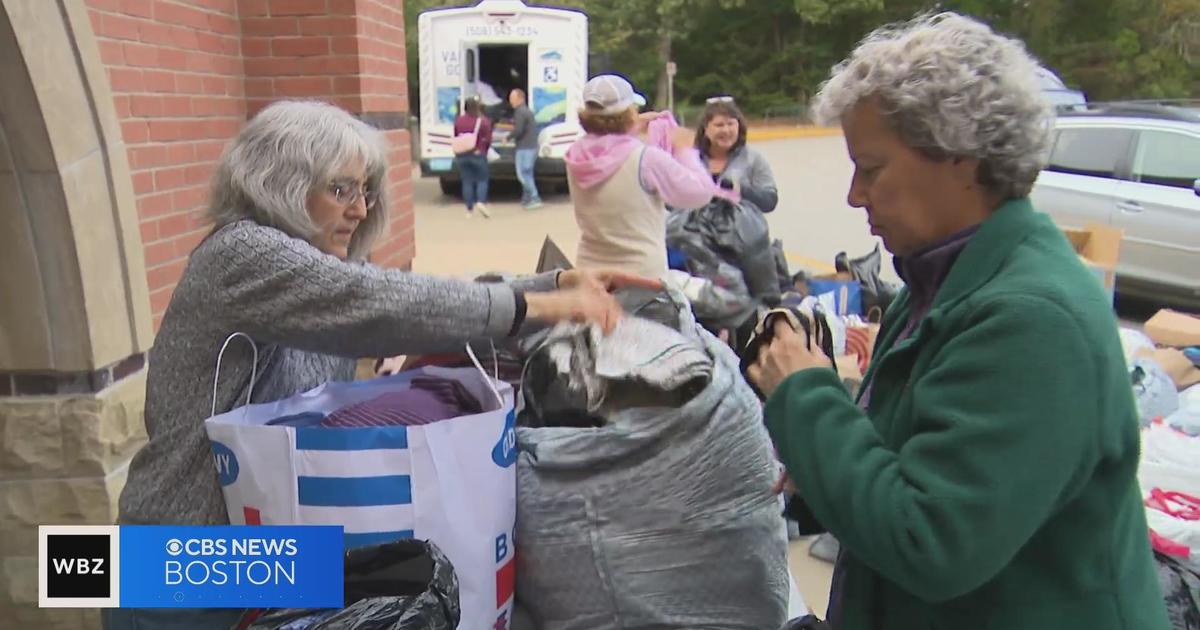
[347,52]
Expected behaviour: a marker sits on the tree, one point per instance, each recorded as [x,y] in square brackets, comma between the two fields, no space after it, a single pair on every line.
[773,54]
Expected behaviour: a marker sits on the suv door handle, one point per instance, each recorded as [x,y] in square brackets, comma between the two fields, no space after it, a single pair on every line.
[1131,207]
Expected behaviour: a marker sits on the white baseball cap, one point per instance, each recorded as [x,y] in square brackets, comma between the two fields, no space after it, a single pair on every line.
[612,93]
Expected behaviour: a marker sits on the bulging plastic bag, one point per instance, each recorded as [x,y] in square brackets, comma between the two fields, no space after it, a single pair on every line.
[1154,390]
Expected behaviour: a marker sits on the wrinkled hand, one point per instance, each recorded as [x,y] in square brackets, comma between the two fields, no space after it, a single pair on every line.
[786,355]
[588,304]
[607,281]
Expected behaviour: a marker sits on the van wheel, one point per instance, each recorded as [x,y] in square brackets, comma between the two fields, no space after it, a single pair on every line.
[450,187]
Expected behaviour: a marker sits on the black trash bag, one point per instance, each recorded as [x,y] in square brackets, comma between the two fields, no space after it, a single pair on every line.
[807,622]
[727,302]
[781,267]
[1181,592]
[876,292]
[400,585]
[737,234]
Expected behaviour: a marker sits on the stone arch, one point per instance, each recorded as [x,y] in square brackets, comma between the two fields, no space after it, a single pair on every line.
[71,271]
[74,306]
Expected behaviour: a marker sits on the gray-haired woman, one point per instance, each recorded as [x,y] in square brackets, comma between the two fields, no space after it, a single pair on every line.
[298,200]
[985,477]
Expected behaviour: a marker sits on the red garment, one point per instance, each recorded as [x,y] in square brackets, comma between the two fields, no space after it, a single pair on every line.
[466,124]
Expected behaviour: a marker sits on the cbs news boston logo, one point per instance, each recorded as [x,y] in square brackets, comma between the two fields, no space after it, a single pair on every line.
[190,567]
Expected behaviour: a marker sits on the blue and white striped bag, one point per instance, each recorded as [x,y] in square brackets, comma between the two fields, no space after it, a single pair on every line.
[452,482]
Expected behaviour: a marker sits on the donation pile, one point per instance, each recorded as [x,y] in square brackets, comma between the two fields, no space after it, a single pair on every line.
[643,480]
[1164,365]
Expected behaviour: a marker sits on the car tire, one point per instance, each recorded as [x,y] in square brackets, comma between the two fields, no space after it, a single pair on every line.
[450,187]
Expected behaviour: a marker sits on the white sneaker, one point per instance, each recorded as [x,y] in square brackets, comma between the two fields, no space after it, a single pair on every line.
[483,210]
[470,214]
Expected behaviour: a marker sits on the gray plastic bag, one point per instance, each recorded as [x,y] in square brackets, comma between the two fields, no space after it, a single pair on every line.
[661,517]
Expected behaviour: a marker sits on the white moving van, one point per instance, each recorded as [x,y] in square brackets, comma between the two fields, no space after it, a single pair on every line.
[488,50]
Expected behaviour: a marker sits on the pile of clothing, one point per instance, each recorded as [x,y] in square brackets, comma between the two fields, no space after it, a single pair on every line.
[429,399]
[1164,365]
[643,480]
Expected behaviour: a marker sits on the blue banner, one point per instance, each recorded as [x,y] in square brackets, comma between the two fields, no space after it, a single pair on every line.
[231,567]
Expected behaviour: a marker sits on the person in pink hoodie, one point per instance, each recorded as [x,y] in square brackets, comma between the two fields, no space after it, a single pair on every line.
[621,186]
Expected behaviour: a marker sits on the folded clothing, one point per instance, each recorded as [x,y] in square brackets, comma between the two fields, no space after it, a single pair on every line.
[578,375]
[428,400]
[811,324]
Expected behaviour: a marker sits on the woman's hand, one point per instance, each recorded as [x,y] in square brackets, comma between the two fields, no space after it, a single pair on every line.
[644,119]
[683,139]
[607,281]
[786,355]
[587,304]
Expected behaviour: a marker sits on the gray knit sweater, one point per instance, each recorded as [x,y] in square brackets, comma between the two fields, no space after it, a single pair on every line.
[310,315]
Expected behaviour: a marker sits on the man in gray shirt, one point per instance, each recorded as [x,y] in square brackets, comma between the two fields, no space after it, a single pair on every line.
[525,134]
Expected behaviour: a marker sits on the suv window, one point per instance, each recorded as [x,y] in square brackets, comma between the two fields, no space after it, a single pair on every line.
[1091,152]
[1167,159]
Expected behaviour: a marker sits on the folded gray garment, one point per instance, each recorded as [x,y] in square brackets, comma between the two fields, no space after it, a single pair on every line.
[641,363]
[638,350]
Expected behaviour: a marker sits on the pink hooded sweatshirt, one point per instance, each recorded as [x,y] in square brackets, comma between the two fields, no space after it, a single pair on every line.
[680,180]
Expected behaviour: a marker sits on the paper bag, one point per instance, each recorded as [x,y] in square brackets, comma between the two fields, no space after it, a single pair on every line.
[452,482]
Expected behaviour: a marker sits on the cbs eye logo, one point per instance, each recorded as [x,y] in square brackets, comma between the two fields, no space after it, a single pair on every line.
[77,567]
[174,547]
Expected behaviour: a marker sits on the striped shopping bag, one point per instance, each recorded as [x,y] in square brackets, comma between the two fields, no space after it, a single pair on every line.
[452,482]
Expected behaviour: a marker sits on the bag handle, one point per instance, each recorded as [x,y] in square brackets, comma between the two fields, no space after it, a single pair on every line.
[478,121]
[488,379]
[878,312]
[217,372]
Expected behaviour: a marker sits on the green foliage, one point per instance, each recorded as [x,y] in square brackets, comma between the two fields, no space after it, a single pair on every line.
[773,54]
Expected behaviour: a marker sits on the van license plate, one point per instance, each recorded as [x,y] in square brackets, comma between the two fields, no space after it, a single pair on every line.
[441,164]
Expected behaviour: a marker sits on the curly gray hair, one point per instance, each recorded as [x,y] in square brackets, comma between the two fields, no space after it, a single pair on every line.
[286,152]
[951,87]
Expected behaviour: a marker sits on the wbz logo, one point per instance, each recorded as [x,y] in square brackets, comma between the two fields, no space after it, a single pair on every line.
[77,567]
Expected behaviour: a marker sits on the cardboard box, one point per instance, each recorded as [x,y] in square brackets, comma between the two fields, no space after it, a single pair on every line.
[1174,329]
[1099,246]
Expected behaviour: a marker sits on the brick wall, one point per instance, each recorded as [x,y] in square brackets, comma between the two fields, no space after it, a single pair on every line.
[185,74]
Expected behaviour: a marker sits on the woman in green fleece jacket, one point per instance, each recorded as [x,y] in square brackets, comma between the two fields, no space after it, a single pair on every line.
[984,478]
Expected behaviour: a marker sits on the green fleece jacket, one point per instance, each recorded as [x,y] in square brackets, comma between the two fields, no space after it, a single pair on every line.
[992,485]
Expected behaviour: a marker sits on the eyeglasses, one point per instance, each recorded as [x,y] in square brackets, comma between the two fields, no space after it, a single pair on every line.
[346,192]
[718,99]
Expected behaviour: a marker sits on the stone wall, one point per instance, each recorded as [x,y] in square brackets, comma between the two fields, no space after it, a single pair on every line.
[63,460]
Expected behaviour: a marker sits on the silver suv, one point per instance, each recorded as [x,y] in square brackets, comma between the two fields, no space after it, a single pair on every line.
[1134,166]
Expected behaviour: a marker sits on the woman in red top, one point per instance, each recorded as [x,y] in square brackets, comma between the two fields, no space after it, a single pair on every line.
[473,166]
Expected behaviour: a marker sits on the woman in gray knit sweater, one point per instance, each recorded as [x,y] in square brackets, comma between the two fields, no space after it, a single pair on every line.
[298,200]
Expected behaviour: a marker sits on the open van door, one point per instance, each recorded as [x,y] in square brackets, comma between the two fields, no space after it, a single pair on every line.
[470,72]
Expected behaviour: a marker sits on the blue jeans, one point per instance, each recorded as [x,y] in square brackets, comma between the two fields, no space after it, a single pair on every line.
[473,169]
[526,159]
[170,618]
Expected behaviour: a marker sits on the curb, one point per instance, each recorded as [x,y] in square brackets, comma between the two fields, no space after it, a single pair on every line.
[781,133]
[810,264]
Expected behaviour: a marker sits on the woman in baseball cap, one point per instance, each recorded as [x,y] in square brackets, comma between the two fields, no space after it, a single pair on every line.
[621,186]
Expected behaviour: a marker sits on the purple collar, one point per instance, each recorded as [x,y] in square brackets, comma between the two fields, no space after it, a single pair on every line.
[926,270]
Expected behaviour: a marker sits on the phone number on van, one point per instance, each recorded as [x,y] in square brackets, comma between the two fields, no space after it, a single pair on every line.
[501,30]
